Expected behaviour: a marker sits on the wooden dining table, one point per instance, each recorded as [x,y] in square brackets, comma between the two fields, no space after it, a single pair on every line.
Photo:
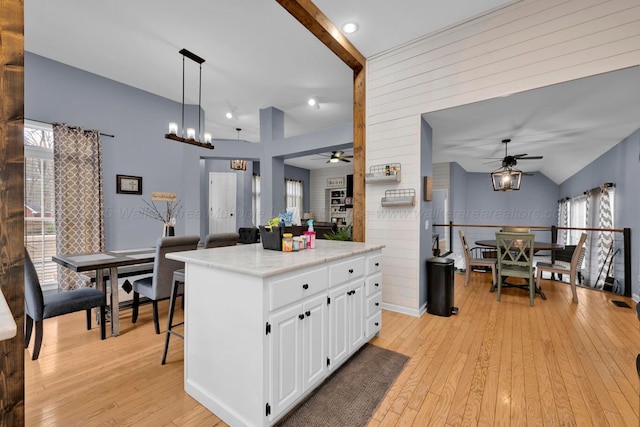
[103,262]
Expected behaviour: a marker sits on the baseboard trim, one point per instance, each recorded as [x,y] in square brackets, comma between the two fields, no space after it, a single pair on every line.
[404,310]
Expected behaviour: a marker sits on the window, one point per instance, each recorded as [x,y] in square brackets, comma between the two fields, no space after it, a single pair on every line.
[293,194]
[39,218]
[255,195]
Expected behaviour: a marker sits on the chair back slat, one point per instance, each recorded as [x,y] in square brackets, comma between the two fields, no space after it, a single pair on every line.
[515,253]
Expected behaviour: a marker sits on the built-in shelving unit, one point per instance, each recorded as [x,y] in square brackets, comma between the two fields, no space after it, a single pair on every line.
[338,210]
[388,172]
[399,197]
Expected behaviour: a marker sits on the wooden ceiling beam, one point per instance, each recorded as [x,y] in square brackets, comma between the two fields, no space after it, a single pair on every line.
[319,25]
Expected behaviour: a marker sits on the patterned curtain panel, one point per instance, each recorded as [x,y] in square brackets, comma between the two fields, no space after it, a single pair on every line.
[605,238]
[79,212]
[590,266]
[563,221]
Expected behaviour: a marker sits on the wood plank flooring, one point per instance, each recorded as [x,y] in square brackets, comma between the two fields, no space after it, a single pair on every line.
[495,363]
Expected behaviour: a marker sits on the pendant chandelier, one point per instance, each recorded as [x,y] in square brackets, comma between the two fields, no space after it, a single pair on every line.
[190,136]
[506,179]
[238,165]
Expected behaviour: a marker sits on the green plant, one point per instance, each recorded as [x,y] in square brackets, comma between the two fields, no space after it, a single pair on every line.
[344,233]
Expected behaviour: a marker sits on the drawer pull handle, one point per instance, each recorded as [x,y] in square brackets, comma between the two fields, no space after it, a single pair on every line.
[377,304]
[305,286]
[377,264]
[377,284]
[377,324]
[300,316]
[351,270]
[351,292]
[308,313]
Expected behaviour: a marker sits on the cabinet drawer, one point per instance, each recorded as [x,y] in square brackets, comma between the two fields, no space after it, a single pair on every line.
[374,264]
[295,288]
[373,284]
[374,323]
[373,304]
[347,270]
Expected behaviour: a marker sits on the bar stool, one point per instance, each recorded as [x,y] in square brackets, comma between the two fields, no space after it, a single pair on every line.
[178,279]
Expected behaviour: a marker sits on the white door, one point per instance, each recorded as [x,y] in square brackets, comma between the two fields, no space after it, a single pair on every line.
[222,202]
[339,325]
[314,354]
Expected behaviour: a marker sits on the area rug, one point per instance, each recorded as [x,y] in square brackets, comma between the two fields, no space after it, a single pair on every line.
[350,396]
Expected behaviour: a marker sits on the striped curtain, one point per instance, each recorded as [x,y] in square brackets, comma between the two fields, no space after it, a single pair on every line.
[79,213]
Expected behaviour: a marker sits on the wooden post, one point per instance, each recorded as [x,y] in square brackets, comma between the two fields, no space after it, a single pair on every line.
[12,206]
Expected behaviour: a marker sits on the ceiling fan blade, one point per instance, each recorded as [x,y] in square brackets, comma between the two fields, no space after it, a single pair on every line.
[530,158]
[344,160]
[518,156]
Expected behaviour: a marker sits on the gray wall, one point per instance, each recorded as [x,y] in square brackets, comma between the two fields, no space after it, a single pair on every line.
[426,169]
[620,165]
[55,92]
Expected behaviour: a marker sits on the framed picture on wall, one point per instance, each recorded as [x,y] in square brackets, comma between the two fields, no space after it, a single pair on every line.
[127,184]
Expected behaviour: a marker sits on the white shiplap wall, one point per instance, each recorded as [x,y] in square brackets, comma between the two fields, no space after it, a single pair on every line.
[524,45]
[318,186]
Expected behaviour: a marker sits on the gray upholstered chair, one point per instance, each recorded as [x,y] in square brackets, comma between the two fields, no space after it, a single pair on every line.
[158,286]
[39,307]
[210,241]
[216,240]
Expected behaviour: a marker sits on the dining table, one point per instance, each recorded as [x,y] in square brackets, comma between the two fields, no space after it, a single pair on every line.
[537,247]
[106,264]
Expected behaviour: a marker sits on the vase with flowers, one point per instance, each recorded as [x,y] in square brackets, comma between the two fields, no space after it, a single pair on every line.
[168,217]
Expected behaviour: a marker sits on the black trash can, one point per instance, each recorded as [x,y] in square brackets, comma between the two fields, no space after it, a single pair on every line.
[440,287]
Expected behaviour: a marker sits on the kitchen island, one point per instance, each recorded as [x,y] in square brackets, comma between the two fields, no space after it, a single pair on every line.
[263,328]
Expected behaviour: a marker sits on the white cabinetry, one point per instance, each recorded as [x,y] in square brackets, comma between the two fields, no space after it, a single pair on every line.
[263,328]
[298,350]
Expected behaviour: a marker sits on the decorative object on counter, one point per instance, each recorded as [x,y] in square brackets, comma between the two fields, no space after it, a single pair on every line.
[287,242]
[400,197]
[191,138]
[389,172]
[168,218]
[344,234]
[271,237]
[311,235]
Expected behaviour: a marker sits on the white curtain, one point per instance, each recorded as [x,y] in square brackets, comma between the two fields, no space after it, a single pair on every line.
[79,213]
[293,194]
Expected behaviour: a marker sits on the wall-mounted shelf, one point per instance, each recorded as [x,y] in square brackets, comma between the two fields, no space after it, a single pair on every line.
[388,172]
[400,197]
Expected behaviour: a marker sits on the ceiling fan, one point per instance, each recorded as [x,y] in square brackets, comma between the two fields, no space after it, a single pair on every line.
[510,161]
[337,156]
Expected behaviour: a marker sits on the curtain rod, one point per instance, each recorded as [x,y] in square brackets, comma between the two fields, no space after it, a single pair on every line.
[49,123]
[606,184]
[564,200]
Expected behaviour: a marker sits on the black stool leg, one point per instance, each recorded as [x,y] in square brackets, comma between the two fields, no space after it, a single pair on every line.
[172,307]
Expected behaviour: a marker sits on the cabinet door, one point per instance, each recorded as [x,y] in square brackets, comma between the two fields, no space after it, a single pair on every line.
[356,317]
[314,341]
[286,351]
[339,324]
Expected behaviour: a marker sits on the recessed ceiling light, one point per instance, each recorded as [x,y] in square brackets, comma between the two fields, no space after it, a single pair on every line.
[312,101]
[229,115]
[350,27]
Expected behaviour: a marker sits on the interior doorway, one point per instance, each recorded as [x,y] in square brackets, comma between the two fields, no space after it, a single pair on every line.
[222,202]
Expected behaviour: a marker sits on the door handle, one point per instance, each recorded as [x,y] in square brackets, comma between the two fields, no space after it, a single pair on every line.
[308,313]
[300,316]
[305,286]
[231,214]
[377,304]
[351,270]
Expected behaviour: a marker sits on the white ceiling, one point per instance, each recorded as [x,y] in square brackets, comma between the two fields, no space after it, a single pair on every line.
[257,56]
[570,124]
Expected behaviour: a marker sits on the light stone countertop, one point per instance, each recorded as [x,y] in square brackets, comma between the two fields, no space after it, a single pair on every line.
[7,323]
[253,260]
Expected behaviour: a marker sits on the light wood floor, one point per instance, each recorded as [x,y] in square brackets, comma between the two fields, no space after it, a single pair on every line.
[505,363]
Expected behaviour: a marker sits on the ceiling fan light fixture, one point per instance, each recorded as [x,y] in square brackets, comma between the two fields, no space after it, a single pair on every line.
[313,102]
[506,179]
[334,160]
[229,115]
